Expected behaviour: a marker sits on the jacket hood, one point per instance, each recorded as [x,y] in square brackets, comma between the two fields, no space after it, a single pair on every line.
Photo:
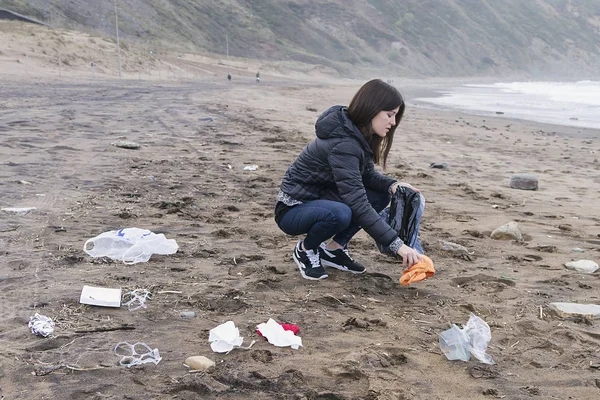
[335,123]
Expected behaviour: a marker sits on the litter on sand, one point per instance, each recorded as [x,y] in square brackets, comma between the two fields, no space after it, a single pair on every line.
[250,167]
[225,337]
[295,329]
[130,245]
[104,297]
[473,339]
[41,325]
[136,354]
[137,299]
[278,336]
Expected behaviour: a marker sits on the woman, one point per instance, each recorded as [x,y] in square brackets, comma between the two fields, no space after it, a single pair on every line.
[333,189]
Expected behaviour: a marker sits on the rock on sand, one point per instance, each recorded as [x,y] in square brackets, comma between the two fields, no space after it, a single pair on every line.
[524,182]
[509,231]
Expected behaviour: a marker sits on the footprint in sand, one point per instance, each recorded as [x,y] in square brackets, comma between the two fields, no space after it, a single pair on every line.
[263,356]
[384,358]
[485,281]
[377,282]
[546,249]
[345,371]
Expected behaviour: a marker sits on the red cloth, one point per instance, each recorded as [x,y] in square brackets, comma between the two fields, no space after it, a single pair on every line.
[286,327]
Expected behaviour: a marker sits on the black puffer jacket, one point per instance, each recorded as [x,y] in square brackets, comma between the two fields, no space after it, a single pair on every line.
[338,165]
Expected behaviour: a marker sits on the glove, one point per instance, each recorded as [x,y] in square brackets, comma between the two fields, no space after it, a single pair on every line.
[418,272]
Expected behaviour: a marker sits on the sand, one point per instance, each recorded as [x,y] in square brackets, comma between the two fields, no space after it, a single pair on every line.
[365,336]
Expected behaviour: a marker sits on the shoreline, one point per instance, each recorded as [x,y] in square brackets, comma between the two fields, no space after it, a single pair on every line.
[558,129]
[432,98]
[412,92]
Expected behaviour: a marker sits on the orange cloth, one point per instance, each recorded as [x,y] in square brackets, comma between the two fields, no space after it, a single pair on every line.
[419,271]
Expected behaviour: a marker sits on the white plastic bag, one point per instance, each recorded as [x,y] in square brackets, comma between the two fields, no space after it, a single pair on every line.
[130,245]
[454,343]
[479,336]
[473,338]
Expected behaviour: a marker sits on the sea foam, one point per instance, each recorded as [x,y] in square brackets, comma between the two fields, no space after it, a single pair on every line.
[562,103]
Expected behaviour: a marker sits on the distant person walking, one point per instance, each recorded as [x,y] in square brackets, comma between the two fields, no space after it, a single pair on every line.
[228,77]
[257,77]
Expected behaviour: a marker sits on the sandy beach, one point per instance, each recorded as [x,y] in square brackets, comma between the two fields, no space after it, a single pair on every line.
[364,337]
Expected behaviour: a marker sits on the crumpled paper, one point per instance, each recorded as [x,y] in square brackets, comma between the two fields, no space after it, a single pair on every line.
[225,337]
[278,336]
[41,325]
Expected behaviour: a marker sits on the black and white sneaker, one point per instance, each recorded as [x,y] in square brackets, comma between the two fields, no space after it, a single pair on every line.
[340,259]
[309,263]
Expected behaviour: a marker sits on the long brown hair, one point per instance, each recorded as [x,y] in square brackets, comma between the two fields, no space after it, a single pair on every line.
[372,98]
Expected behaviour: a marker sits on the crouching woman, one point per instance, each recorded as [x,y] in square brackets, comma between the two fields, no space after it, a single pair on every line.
[332,190]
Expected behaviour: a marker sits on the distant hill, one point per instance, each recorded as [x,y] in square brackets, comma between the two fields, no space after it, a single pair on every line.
[414,38]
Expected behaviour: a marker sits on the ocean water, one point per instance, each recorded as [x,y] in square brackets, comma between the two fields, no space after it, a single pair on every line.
[562,103]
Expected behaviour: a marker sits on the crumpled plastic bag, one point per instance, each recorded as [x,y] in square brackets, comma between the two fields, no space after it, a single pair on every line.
[473,338]
[278,336]
[479,337]
[418,272]
[225,337]
[41,325]
[130,245]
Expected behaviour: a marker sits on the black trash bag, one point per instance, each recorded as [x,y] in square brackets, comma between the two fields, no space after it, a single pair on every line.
[403,216]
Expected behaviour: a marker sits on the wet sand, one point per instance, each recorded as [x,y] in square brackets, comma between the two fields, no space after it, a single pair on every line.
[365,337]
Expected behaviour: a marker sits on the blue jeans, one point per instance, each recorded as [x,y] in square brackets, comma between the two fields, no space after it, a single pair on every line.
[322,219]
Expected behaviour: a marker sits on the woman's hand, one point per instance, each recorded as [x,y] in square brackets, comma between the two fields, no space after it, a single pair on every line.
[408,185]
[409,256]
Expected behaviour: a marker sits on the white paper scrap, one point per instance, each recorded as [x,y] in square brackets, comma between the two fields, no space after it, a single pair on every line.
[97,296]
[225,337]
[278,336]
